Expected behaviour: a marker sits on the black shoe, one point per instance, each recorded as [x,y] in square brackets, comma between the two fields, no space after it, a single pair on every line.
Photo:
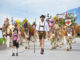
[16,54]
[13,54]
[42,51]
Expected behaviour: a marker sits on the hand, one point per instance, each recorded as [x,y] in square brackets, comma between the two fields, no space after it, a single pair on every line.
[17,41]
[37,32]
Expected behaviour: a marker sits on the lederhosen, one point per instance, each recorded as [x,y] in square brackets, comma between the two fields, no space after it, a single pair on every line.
[42,34]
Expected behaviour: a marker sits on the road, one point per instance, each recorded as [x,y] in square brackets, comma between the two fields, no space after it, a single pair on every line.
[56,54]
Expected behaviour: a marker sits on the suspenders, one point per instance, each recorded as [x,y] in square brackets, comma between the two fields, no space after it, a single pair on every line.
[42,26]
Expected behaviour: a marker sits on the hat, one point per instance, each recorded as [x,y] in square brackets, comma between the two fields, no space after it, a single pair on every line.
[42,16]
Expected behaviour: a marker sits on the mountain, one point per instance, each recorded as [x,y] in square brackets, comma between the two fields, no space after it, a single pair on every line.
[77,12]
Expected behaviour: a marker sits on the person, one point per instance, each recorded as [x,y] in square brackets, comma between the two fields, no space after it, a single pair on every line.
[42,29]
[15,40]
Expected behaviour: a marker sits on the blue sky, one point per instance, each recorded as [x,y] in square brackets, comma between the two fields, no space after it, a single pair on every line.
[32,9]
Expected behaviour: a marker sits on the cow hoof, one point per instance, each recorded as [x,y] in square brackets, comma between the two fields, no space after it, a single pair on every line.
[67,49]
[54,47]
[33,41]
[28,48]
[25,47]
[62,43]
[70,47]
[51,48]
[59,46]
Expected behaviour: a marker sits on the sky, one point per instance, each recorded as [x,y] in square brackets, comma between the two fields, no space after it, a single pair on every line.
[32,9]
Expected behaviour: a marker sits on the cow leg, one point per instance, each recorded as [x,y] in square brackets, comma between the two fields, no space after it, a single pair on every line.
[8,41]
[60,41]
[70,43]
[66,43]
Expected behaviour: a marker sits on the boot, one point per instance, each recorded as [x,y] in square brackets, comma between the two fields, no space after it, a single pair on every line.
[16,54]
[42,51]
[13,54]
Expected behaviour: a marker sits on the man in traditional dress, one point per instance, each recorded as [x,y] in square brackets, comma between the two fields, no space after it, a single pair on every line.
[42,28]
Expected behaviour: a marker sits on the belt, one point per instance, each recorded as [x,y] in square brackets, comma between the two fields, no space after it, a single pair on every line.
[41,31]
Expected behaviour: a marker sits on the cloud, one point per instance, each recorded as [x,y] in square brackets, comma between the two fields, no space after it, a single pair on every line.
[32,9]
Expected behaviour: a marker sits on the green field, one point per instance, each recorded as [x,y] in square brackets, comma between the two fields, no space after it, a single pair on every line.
[78,36]
[1,41]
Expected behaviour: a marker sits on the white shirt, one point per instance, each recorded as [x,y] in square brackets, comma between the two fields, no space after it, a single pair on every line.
[45,28]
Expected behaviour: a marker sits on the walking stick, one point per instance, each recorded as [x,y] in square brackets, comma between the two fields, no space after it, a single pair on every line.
[34,36]
[34,46]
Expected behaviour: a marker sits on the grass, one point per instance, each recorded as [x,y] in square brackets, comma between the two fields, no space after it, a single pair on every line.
[78,36]
[1,41]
